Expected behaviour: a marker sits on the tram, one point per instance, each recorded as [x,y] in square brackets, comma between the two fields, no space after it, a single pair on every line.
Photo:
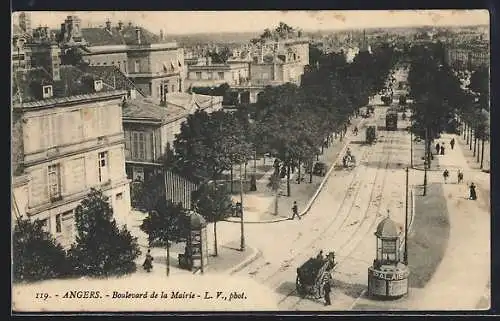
[391,120]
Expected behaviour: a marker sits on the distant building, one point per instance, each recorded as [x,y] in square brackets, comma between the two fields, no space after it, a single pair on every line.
[67,137]
[233,72]
[467,56]
[283,63]
[154,65]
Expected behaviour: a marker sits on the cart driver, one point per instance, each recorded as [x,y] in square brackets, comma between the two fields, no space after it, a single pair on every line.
[348,152]
[320,255]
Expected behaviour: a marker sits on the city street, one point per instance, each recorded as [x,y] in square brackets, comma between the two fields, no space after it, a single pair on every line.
[343,219]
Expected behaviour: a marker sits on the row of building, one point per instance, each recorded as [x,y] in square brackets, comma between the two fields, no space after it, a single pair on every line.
[82,126]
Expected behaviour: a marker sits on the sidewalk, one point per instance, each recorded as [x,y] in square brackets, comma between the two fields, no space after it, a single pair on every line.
[259,206]
[229,260]
[464,272]
[458,278]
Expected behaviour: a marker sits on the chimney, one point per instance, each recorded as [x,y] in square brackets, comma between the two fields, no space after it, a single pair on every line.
[138,35]
[161,35]
[120,25]
[209,61]
[108,25]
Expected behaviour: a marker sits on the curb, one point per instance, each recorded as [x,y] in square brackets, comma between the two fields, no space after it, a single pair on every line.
[318,190]
[254,256]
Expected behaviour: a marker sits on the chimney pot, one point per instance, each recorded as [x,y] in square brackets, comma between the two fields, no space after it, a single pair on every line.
[120,25]
[138,35]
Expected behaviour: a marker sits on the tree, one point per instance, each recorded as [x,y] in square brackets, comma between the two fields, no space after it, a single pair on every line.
[274,184]
[101,248]
[164,223]
[221,56]
[36,254]
[213,203]
[480,84]
[200,147]
[74,56]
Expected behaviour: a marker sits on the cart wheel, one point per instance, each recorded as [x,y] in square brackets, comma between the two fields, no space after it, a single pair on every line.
[299,287]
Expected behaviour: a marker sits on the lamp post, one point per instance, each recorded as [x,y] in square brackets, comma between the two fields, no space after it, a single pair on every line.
[242,244]
[406,221]
[168,244]
[426,160]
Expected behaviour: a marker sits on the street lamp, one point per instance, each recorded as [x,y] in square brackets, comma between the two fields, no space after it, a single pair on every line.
[242,244]
[406,221]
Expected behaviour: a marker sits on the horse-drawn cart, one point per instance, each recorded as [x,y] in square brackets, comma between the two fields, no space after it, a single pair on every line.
[313,273]
[348,161]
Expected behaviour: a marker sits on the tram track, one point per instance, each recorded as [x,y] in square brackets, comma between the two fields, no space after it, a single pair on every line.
[376,190]
[355,182]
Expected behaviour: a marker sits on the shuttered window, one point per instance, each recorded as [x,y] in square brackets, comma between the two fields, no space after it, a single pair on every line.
[58,223]
[68,225]
[54,181]
[127,145]
[103,167]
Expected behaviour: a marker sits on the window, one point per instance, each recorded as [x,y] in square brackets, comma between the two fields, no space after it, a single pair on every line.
[47,91]
[103,166]
[198,75]
[58,223]
[173,88]
[104,63]
[45,225]
[112,62]
[54,181]
[119,196]
[209,75]
[221,75]
[137,66]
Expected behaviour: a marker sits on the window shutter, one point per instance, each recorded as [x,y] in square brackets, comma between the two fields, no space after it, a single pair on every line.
[39,186]
[148,139]
[116,164]
[127,144]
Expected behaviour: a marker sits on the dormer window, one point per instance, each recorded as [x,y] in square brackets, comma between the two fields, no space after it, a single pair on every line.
[47,91]
[98,85]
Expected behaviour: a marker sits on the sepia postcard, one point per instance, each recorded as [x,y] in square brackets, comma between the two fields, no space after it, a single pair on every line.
[212,161]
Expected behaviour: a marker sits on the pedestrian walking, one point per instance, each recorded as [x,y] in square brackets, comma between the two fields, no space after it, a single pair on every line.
[452,143]
[472,192]
[327,289]
[437,149]
[148,262]
[445,175]
[442,150]
[295,210]
[460,176]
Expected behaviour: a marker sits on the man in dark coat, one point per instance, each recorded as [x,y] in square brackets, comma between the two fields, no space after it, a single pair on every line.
[148,262]
[472,191]
[437,149]
[295,210]
[327,289]
[452,143]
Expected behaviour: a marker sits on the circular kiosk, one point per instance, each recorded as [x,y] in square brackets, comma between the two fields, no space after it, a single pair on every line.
[196,250]
[388,277]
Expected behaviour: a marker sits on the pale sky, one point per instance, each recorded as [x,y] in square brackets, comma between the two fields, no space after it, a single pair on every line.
[183,22]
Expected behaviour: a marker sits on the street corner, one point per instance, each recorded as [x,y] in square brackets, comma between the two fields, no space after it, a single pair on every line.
[230,258]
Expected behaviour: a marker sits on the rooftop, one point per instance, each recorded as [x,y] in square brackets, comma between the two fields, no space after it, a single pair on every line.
[147,109]
[77,82]
[115,36]
[387,229]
